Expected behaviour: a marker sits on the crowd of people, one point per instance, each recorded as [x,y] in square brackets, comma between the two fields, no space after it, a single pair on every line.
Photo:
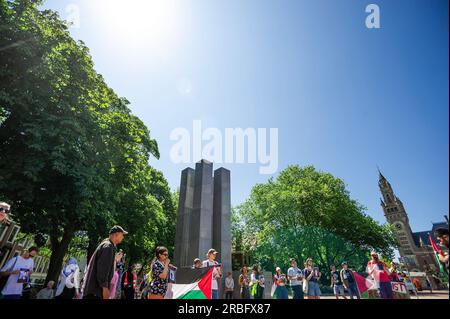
[105,278]
[304,283]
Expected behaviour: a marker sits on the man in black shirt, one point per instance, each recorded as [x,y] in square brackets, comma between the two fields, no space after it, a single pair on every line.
[349,281]
[336,283]
[100,270]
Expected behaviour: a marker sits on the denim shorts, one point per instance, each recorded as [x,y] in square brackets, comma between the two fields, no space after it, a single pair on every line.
[313,289]
[339,290]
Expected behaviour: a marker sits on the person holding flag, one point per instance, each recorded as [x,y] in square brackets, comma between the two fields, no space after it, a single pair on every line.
[441,258]
[349,281]
[378,271]
[217,273]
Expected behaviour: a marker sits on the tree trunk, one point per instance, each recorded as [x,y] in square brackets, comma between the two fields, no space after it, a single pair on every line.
[59,250]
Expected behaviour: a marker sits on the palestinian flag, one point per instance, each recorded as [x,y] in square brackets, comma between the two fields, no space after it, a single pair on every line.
[366,286]
[437,251]
[193,283]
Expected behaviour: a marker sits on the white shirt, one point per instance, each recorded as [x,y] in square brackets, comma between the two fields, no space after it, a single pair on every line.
[12,287]
[295,272]
[229,283]
[215,274]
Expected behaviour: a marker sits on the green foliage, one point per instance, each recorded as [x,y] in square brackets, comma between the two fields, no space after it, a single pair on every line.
[72,155]
[305,213]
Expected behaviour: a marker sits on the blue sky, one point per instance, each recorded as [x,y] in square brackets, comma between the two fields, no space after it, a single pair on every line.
[344,98]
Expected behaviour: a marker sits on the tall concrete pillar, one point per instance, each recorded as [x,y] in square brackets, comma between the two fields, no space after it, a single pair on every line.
[185,208]
[222,218]
[201,222]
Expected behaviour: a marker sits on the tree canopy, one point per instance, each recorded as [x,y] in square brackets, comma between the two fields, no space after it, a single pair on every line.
[73,157]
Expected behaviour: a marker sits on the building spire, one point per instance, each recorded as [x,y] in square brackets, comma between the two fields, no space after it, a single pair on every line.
[381,177]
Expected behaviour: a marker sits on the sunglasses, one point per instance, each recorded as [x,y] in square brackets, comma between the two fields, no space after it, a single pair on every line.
[165,254]
[3,209]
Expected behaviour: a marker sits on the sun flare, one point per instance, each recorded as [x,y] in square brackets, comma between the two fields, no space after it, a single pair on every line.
[139,23]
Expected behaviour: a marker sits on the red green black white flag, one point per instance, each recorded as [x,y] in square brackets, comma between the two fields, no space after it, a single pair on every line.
[193,283]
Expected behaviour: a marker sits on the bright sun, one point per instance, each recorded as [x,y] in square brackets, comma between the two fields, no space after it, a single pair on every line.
[139,24]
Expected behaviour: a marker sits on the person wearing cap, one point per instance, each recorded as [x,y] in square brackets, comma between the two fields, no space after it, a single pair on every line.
[378,271]
[217,273]
[295,276]
[349,282]
[4,211]
[100,270]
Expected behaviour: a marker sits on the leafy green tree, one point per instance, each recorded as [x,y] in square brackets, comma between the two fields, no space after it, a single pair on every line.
[305,213]
[72,156]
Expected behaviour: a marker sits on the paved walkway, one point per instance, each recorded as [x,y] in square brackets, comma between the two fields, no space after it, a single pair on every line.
[439,294]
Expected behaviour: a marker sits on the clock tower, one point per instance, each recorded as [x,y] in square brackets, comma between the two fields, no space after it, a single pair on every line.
[395,213]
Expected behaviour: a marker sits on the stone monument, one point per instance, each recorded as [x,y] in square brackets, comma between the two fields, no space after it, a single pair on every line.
[204,216]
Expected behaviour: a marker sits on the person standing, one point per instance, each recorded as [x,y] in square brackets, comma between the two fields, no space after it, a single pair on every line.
[47,292]
[279,280]
[336,283]
[197,263]
[295,276]
[19,270]
[312,276]
[229,286]
[100,270]
[257,283]
[217,272]
[244,283]
[349,282]
[129,282]
[160,273]
[4,211]
[394,277]
[116,275]
[69,281]
[378,271]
